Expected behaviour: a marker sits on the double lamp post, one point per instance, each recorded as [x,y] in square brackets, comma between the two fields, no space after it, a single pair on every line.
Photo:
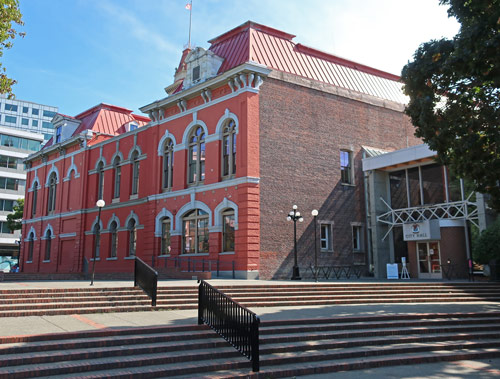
[295,216]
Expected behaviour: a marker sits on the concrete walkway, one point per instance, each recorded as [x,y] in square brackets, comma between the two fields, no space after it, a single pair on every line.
[58,324]
[65,323]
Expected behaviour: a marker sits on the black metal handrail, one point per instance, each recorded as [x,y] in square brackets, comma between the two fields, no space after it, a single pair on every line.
[236,324]
[146,278]
[193,264]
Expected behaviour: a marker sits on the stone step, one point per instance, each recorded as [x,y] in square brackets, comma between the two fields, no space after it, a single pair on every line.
[6,341]
[125,299]
[292,370]
[64,291]
[165,299]
[216,362]
[104,364]
[72,304]
[287,347]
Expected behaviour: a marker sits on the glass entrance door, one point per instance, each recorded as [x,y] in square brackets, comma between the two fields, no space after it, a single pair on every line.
[429,260]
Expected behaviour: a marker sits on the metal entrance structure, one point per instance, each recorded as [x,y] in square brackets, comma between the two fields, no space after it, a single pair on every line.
[457,210]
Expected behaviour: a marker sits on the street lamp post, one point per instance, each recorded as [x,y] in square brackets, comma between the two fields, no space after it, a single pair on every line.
[294,216]
[100,203]
[314,213]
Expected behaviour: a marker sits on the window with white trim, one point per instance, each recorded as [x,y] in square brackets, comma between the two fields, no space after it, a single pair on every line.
[229,149]
[195,236]
[168,164]
[135,173]
[35,198]
[48,245]
[51,200]
[113,241]
[31,246]
[117,175]
[357,237]
[326,237]
[196,156]
[228,222]
[346,168]
[132,237]
[58,134]
[165,236]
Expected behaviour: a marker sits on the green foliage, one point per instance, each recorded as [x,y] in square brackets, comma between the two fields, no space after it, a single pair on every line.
[14,219]
[9,14]
[454,90]
[486,245]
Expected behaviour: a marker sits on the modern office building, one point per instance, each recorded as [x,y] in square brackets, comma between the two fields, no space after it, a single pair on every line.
[28,116]
[25,126]
[15,145]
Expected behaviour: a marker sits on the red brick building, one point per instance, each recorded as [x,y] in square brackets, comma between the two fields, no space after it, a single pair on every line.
[251,126]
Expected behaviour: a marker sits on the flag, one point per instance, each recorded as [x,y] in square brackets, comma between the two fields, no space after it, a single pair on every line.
[188,6]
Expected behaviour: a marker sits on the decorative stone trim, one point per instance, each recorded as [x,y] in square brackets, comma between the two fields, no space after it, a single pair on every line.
[182,104]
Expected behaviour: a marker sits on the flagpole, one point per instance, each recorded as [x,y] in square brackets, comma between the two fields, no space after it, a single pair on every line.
[190,14]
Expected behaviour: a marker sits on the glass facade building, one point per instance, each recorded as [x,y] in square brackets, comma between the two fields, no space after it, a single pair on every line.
[28,116]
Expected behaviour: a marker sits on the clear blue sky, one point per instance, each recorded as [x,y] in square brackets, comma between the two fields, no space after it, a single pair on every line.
[79,53]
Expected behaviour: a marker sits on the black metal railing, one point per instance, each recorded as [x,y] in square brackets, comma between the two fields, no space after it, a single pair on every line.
[236,324]
[146,278]
[193,264]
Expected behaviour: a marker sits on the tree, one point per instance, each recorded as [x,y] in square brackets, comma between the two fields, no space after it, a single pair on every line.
[14,219]
[9,14]
[454,91]
[485,247]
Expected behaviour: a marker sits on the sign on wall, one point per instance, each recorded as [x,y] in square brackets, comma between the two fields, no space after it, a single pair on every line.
[422,231]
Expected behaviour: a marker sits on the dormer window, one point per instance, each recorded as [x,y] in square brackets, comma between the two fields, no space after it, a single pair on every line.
[201,65]
[196,73]
[64,127]
[132,126]
[58,134]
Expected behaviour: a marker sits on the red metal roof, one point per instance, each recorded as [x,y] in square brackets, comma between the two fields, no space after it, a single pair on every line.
[276,50]
[105,119]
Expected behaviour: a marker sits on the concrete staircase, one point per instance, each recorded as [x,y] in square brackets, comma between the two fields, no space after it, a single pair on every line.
[288,348]
[37,302]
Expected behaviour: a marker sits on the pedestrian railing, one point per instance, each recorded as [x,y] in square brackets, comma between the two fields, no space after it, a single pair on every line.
[192,264]
[146,278]
[236,324]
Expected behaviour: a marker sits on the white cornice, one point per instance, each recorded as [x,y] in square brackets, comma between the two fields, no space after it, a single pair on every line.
[126,204]
[69,142]
[211,83]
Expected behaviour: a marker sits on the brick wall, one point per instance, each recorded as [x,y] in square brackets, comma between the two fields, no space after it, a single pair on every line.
[301,133]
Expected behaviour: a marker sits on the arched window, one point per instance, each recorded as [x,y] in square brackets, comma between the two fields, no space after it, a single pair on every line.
[168,163]
[132,237]
[31,245]
[165,236]
[135,173]
[100,180]
[35,198]
[68,188]
[195,237]
[196,157]
[117,175]
[97,236]
[113,241]
[48,243]
[229,149]
[51,202]
[228,230]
